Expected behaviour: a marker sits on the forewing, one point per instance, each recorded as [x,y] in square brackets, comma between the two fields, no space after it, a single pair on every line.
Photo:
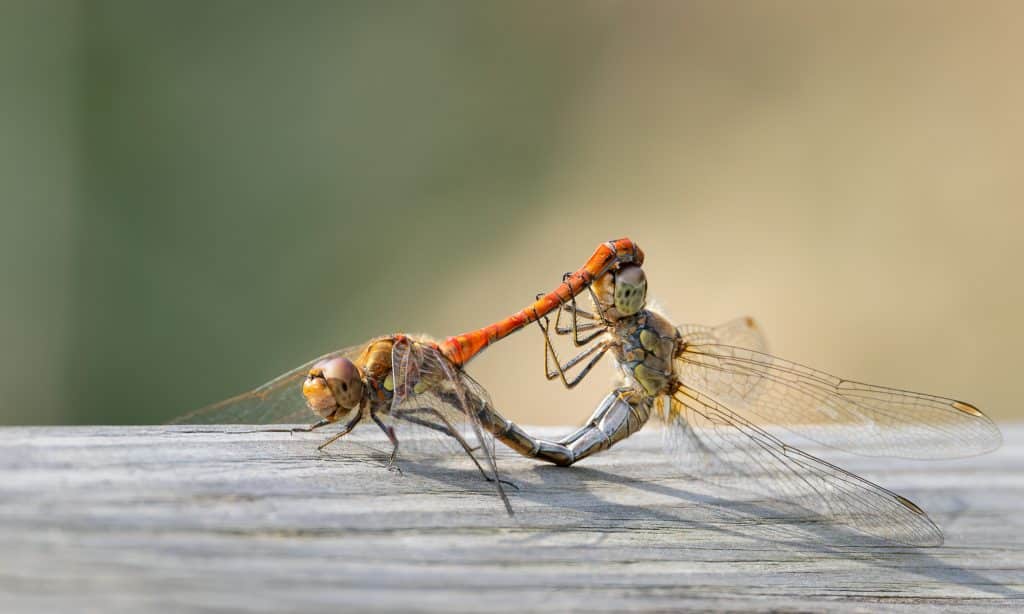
[844,414]
[436,407]
[279,401]
[707,439]
[427,410]
[741,332]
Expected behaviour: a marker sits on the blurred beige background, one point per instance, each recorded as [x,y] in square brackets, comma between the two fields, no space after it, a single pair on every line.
[197,197]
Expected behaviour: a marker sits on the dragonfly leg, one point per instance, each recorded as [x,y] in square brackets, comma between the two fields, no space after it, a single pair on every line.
[597,303]
[560,369]
[600,308]
[582,313]
[576,327]
[346,428]
[409,415]
[449,430]
[390,432]
[577,341]
[310,428]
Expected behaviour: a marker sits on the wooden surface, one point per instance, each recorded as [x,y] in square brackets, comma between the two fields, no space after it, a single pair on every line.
[189,518]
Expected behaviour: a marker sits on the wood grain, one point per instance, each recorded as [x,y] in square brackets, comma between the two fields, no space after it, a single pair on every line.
[211,518]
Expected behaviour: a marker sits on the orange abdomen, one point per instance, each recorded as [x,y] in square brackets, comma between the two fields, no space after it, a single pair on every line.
[460,349]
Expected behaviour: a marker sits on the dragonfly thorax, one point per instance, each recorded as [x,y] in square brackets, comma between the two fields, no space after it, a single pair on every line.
[647,345]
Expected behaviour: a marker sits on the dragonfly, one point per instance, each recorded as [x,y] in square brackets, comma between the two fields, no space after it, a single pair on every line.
[413,388]
[722,398]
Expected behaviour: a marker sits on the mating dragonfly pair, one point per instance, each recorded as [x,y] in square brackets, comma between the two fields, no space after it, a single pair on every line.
[715,389]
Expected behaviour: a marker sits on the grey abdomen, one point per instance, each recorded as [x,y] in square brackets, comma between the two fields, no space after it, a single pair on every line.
[621,413]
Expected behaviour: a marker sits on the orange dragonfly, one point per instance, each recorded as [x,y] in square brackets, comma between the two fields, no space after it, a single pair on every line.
[721,397]
[414,389]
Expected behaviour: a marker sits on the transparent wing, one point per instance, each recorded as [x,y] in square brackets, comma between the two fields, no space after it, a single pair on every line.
[707,439]
[844,414]
[279,401]
[436,407]
[741,332]
[428,415]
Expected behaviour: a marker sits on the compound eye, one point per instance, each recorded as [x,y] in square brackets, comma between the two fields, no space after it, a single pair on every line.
[344,380]
[630,290]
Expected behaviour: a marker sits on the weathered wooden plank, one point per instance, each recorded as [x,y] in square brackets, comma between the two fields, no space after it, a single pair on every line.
[176,518]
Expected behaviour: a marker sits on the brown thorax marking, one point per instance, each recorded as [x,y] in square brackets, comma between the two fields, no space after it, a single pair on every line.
[648,346]
[375,361]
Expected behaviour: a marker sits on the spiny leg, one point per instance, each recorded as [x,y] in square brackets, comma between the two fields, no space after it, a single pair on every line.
[408,416]
[492,461]
[576,312]
[346,428]
[581,313]
[604,323]
[449,430]
[390,432]
[457,399]
[300,429]
[311,427]
[600,350]
[601,310]
[572,300]
[576,328]
[575,308]
[550,354]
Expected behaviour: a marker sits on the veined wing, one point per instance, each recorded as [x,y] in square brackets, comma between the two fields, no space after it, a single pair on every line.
[707,439]
[279,401]
[436,406]
[741,332]
[844,414]
[427,419]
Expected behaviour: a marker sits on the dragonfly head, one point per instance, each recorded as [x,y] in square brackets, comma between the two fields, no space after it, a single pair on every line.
[333,387]
[621,292]
[630,289]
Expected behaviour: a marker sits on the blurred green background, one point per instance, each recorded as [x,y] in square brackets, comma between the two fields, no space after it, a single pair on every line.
[197,196]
